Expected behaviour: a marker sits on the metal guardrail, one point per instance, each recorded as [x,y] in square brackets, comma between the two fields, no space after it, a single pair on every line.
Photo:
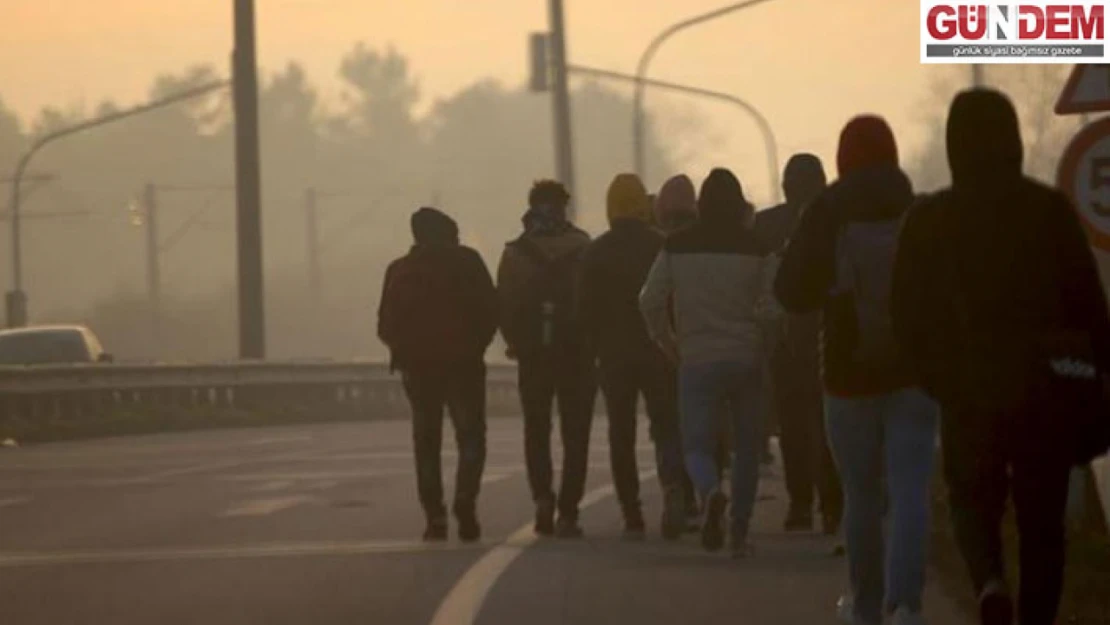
[338,387]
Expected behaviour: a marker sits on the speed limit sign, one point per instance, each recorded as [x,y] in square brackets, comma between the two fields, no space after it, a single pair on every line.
[1084,176]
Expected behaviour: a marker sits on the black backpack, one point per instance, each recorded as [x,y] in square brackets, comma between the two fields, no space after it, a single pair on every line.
[545,320]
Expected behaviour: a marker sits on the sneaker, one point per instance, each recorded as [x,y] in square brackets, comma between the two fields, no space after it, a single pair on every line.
[545,517]
[995,605]
[741,549]
[567,527]
[469,529]
[846,609]
[798,519]
[634,527]
[839,550]
[436,530]
[830,524]
[906,616]
[713,527]
[674,515]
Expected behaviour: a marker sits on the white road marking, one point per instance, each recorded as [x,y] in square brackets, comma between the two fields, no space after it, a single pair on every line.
[13,501]
[122,556]
[269,487]
[275,440]
[263,507]
[493,478]
[463,603]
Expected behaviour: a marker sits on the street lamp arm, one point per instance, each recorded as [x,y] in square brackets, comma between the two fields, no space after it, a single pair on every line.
[649,54]
[769,141]
[43,141]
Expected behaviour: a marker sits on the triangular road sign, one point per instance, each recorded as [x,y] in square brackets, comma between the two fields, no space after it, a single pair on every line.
[1087,90]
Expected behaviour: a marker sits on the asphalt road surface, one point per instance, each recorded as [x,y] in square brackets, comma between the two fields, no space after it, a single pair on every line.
[320,524]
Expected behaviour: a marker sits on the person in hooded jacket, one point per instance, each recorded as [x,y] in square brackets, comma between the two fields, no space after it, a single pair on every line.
[438,315]
[987,270]
[676,207]
[716,274]
[614,268]
[796,371]
[880,424]
[537,288]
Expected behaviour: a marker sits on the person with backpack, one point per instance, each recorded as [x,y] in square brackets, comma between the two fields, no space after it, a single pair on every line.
[438,315]
[796,371]
[997,303]
[537,288]
[881,425]
[614,268]
[712,280]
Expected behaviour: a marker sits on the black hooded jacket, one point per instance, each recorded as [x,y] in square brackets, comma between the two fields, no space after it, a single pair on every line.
[807,274]
[988,266]
[438,306]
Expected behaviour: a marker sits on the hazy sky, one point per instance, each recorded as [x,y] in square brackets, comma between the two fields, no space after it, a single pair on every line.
[808,64]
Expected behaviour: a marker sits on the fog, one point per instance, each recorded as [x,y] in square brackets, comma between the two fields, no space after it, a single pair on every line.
[375,146]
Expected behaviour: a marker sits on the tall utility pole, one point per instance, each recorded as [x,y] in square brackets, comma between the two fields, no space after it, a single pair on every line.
[312,244]
[153,264]
[564,142]
[252,324]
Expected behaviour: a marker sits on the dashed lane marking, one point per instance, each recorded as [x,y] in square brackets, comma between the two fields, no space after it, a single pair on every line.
[263,507]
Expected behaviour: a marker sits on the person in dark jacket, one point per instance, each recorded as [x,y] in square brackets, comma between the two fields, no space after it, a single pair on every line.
[986,270]
[614,268]
[795,368]
[438,315]
[553,357]
[703,302]
[880,424]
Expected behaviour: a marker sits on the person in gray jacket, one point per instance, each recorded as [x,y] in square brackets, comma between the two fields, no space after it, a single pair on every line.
[719,276]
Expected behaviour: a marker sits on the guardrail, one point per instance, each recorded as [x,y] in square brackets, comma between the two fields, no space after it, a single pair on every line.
[340,388]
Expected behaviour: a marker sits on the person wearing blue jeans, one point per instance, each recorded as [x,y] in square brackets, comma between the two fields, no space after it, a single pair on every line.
[881,428]
[887,439]
[718,274]
[704,389]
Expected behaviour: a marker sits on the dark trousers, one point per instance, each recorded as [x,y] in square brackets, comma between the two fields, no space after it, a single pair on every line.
[623,383]
[462,390]
[800,411]
[987,460]
[570,381]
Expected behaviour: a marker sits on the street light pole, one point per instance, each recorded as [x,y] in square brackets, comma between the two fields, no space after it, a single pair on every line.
[312,244]
[252,328]
[153,264]
[638,148]
[564,142]
[769,142]
[16,298]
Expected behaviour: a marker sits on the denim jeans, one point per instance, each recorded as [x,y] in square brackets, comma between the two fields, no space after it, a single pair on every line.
[885,438]
[706,392]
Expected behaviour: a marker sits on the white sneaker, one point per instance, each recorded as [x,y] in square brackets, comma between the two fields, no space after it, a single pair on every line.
[905,616]
[845,610]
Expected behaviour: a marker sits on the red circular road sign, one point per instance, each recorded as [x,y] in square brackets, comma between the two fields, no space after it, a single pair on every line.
[1084,176]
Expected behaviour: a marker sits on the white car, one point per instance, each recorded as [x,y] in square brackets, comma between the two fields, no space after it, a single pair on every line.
[51,345]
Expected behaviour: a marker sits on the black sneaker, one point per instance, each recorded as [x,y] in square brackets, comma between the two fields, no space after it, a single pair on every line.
[798,519]
[634,527]
[567,527]
[713,526]
[469,529]
[995,605]
[436,531]
[545,517]
[674,514]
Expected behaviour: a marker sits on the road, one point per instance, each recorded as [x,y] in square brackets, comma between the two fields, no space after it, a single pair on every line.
[319,524]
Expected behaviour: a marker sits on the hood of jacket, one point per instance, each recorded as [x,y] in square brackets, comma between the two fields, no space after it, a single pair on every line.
[803,179]
[628,200]
[677,203]
[433,227]
[722,204]
[983,139]
[866,141]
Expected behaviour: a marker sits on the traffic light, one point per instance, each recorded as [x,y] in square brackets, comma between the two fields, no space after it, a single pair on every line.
[540,66]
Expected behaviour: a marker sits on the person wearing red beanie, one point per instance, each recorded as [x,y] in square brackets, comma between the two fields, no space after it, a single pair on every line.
[881,426]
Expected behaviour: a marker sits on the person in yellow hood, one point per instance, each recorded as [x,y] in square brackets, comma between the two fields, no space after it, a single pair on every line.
[613,271]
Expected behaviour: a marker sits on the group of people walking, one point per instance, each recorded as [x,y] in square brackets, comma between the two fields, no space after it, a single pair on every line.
[872,322]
